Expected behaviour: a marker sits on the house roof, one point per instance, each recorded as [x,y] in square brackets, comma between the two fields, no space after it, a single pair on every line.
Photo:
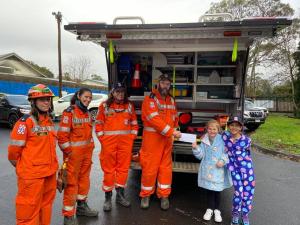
[6,56]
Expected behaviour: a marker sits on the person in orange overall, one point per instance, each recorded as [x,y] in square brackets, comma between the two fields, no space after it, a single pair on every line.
[32,151]
[76,141]
[116,128]
[160,120]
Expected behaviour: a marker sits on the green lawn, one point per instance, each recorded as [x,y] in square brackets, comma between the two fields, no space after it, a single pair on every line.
[279,133]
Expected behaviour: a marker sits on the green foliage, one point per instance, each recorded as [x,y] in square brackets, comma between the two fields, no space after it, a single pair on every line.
[279,133]
[297,81]
[43,70]
[97,77]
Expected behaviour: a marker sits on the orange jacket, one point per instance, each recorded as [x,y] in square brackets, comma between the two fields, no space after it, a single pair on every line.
[159,115]
[33,145]
[75,130]
[116,119]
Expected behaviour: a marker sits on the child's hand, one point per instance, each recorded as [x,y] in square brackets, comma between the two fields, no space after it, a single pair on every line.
[194,145]
[220,163]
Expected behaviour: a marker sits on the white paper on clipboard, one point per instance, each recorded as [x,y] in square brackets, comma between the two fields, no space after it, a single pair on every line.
[190,138]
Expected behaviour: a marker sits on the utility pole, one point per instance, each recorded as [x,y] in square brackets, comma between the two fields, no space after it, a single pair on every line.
[58,17]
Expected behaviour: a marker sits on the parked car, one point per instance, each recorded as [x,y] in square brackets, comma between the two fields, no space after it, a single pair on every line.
[12,107]
[253,117]
[61,104]
[266,111]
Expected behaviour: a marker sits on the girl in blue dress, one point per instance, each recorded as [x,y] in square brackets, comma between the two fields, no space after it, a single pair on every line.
[240,165]
[213,174]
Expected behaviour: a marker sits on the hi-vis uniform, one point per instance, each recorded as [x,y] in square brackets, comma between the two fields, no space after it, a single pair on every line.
[33,145]
[75,136]
[160,119]
[116,128]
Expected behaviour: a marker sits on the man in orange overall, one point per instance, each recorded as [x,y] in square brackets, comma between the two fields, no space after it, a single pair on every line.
[76,141]
[32,151]
[116,128]
[160,120]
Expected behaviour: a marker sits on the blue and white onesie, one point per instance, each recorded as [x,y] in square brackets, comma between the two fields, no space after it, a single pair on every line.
[241,167]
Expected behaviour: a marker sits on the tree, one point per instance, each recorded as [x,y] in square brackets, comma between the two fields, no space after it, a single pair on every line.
[78,68]
[261,49]
[297,82]
[97,77]
[283,57]
[43,70]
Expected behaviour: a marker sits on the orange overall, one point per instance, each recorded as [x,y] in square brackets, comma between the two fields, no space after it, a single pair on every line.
[32,145]
[160,119]
[75,137]
[116,128]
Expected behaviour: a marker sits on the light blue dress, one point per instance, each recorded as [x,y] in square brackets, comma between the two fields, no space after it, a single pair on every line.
[210,176]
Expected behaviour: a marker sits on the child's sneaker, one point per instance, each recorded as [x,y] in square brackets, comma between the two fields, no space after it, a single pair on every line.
[218,217]
[207,216]
[245,220]
[235,220]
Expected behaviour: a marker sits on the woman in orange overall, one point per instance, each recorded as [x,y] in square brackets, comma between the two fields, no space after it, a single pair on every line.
[76,141]
[116,128]
[32,151]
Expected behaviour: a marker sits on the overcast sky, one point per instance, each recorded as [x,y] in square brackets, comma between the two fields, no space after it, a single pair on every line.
[29,29]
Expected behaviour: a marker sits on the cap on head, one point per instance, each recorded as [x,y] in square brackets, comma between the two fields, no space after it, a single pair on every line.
[235,119]
[164,77]
[118,85]
[39,91]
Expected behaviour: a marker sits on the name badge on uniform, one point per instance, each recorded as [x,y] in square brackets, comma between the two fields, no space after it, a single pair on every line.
[78,125]
[42,133]
[65,119]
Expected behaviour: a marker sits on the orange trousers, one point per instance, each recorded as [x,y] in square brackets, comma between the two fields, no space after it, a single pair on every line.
[34,200]
[115,157]
[156,163]
[78,177]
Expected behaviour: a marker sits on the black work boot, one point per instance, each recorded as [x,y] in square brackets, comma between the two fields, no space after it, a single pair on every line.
[145,202]
[120,198]
[84,210]
[70,220]
[107,203]
[164,203]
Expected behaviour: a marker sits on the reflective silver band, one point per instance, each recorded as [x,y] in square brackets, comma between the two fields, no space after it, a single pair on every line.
[64,145]
[100,133]
[163,186]
[151,129]
[68,208]
[116,132]
[146,188]
[81,197]
[18,143]
[149,117]
[64,129]
[165,130]
[79,143]
[134,132]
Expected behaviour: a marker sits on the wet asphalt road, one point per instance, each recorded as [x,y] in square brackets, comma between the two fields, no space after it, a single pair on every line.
[277,197]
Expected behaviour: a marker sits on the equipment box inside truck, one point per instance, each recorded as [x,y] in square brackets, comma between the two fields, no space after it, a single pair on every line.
[206,60]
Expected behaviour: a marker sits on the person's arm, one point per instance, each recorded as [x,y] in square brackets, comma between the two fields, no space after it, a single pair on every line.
[64,130]
[223,159]
[134,122]
[199,151]
[100,120]
[17,142]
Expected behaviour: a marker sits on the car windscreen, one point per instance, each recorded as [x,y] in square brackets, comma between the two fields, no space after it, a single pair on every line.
[249,105]
[17,100]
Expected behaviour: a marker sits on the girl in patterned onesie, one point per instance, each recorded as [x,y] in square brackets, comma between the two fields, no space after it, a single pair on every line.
[241,168]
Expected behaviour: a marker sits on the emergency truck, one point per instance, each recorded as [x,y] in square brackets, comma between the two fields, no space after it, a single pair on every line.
[207,61]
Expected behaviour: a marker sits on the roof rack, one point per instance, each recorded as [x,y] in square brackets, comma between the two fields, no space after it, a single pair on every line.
[128,18]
